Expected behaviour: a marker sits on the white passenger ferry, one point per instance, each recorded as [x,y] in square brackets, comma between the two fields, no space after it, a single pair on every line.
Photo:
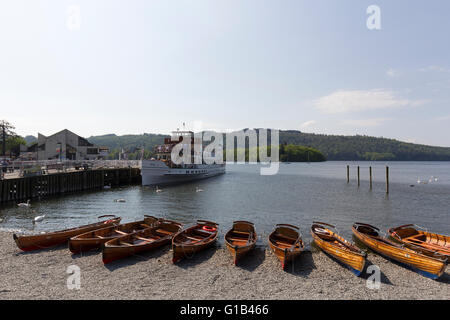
[161,170]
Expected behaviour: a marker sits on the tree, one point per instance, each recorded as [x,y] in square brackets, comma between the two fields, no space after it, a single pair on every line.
[13,144]
[6,129]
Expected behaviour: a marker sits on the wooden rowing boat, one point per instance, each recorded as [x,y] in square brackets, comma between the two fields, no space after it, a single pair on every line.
[286,243]
[194,239]
[95,239]
[140,241]
[337,247]
[412,236]
[240,239]
[50,239]
[428,264]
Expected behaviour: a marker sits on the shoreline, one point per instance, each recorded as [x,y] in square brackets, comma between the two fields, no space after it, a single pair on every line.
[209,275]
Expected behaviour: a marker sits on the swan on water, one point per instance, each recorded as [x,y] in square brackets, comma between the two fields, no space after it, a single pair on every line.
[27,204]
[119,200]
[158,189]
[39,218]
[197,189]
[421,181]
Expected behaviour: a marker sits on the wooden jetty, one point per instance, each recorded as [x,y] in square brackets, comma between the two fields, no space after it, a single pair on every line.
[24,188]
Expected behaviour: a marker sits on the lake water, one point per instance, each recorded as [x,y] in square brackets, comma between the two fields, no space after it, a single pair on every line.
[299,194]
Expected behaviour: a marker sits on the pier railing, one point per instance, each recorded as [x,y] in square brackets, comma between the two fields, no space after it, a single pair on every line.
[17,169]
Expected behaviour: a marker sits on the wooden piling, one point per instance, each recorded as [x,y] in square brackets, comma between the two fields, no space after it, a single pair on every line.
[359,183]
[348,174]
[370,177]
[387,179]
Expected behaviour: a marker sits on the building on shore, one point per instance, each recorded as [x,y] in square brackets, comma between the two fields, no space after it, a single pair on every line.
[64,145]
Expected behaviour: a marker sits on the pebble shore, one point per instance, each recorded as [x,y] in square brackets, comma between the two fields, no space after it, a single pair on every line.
[209,275]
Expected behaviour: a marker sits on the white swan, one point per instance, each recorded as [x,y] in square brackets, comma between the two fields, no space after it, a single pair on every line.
[119,200]
[27,204]
[422,182]
[158,189]
[38,218]
[107,187]
[197,189]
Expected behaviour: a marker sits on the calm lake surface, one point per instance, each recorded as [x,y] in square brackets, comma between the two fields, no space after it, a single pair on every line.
[299,194]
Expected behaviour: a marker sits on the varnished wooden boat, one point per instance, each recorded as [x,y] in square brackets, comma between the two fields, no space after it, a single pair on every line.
[50,239]
[95,239]
[428,264]
[194,239]
[140,241]
[337,247]
[412,237]
[286,243]
[240,239]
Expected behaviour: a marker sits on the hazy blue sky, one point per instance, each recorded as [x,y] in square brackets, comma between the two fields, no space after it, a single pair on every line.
[147,66]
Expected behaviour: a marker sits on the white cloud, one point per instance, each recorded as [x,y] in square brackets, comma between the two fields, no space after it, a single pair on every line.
[373,122]
[307,124]
[392,73]
[443,118]
[434,68]
[361,100]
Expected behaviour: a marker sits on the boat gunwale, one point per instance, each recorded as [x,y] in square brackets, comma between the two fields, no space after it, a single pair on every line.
[346,244]
[113,220]
[112,243]
[396,245]
[249,243]
[205,241]
[293,248]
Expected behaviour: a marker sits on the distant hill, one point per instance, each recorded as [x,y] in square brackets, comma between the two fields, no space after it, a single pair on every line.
[358,147]
[334,147]
[30,139]
[129,142]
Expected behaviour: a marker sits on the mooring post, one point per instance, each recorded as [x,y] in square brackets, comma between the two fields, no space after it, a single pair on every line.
[348,174]
[387,179]
[358,177]
[370,177]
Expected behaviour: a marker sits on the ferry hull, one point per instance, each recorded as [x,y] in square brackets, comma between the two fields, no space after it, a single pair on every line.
[155,172]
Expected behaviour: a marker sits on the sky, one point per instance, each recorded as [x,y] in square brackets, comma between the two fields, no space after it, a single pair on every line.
[129,67]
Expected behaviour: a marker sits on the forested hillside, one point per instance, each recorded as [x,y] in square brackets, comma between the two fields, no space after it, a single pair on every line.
[333,147]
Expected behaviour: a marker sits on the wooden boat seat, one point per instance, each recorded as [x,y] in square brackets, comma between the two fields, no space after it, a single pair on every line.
[237,239]
[241,231]
[121,232]
[203,233]
[126,243]
[193,238]
[142,238]
[285,238]
[419,237]
[166,232]
[283,245]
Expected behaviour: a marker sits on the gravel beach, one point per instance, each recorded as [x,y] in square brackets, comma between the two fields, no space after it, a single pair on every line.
[209,275]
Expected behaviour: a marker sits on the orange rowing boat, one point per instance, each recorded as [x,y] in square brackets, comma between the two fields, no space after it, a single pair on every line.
[141,241]
[337,247]
[286,243]
[96,238]
[194,239]
[50,239]
[428,264]
[240,239]
[413,236]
